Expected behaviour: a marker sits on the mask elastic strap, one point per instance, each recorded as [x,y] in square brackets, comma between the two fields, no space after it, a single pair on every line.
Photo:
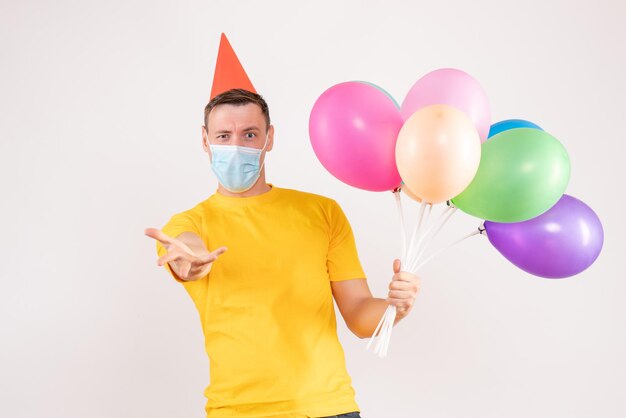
[267,137]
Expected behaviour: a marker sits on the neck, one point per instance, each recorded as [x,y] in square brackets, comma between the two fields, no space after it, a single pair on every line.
[259,187]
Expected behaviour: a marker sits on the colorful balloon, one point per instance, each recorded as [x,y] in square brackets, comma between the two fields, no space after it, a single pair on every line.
[437,152]
[412,195]
[353,128]
[381,89]
[561,242]
[523,173]
[508,124]
[451,87]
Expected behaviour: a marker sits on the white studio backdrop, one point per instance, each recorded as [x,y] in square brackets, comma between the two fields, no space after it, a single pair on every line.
[100,112]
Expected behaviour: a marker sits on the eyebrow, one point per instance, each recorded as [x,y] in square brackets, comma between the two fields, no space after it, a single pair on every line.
[250,128]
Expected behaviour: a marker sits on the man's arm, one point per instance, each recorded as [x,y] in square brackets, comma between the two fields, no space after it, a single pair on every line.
[362,312]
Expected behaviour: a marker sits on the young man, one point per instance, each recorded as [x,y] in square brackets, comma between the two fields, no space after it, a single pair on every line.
[262,265]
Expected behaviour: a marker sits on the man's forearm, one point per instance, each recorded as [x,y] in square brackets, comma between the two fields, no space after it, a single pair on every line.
[367,314]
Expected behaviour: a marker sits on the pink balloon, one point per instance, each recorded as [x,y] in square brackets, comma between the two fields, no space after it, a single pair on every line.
[451,87]
[353,129]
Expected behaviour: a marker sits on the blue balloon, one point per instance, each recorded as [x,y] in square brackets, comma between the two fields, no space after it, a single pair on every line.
[505,125]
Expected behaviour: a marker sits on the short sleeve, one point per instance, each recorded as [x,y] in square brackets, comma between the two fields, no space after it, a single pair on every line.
[343,260]
[179,223]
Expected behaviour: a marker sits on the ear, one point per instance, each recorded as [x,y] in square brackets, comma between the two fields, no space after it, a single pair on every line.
[205,139]
[270,139]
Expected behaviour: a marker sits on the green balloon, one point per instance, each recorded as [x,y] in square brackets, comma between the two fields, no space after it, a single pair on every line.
[522,173]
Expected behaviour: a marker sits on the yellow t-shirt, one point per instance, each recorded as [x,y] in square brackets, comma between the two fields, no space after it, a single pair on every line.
[266,307]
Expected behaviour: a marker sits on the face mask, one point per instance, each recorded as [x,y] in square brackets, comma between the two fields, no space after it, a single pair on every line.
[237,168]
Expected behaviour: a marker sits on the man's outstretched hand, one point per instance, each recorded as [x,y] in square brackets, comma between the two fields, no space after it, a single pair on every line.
[188,264]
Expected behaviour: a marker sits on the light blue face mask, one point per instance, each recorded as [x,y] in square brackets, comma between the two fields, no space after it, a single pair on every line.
[237,168]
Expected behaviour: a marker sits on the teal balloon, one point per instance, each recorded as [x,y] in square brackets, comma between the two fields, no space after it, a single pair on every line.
[508,124]
[382,90]
[522,173]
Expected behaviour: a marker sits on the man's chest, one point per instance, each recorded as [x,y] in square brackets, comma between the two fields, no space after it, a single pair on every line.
[283,251]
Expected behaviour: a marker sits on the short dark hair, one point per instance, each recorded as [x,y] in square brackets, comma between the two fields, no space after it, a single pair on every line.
[237,97]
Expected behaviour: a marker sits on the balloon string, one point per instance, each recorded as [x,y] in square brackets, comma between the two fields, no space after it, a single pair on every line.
[418,242]
[380,324]
[424,242]
[383,338]
[382,333]
[387,321]
[430,209]
[403,238]
[391,320]
[476,232]
[434,235]
[416,231]
[431,227]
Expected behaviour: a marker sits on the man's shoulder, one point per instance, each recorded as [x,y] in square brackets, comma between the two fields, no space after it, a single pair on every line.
[194,210]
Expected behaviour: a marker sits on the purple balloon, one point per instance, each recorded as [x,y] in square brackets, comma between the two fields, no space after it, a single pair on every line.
[561,242]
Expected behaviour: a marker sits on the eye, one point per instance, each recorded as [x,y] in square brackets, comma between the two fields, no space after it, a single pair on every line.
[223,137]
[250,135]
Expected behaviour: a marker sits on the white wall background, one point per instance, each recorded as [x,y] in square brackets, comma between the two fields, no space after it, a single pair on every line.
[100,112]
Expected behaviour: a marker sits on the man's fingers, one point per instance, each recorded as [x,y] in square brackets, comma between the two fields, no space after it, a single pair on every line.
[158,235]
[207,258]
[400,294]
[405,277]
[166,240]
[212,256]
[219,251]
[396,266]
[170,256]
[400,303]
[185,271]
[402,285]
